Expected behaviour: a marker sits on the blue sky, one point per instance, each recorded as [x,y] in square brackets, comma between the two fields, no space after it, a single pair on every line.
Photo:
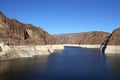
[65,16]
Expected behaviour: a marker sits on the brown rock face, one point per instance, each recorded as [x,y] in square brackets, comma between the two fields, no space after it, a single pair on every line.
[17,33]
[113,38]
[95,37]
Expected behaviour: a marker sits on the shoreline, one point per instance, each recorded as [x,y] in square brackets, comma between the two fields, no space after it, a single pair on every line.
[23,51]
[83,45]
[110,49]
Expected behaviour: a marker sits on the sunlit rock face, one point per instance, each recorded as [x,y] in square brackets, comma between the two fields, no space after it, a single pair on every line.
[24,40]
[112,42]
[95,37]
[114,38]
[17,33]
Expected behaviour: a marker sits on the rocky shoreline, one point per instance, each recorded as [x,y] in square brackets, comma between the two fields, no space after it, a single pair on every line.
[108,43]
[9,52]
[109,49]
[19,39]
[112,49]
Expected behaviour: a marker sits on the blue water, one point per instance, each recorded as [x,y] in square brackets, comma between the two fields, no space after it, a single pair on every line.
[69,64]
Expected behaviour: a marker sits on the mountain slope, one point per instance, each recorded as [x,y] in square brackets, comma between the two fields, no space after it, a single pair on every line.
[113,38]
[95,37]
[17,33]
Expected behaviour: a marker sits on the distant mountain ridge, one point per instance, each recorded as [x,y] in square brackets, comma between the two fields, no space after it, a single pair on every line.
[17,33]
[93,37]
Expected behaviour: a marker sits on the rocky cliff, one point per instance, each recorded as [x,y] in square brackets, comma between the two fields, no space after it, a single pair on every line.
[115,37]
[112,43]
[95,37]
[17,33]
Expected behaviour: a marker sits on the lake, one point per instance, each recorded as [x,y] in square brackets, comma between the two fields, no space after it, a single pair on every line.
[73,63]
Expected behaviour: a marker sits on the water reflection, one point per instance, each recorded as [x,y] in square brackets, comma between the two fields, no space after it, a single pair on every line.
[113,62]
[17,69]
[69,64]
[77,64]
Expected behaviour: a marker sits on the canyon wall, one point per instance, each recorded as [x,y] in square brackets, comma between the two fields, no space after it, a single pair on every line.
[17,33]
[91,38]
[24,40]
[112,43]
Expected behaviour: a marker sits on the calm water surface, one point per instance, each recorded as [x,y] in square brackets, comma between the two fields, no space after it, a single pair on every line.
[69,64]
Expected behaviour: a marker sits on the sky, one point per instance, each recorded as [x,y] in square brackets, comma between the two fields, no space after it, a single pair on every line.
[65,16]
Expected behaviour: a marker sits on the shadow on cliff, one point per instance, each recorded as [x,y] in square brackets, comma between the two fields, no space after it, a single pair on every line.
[105,43]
